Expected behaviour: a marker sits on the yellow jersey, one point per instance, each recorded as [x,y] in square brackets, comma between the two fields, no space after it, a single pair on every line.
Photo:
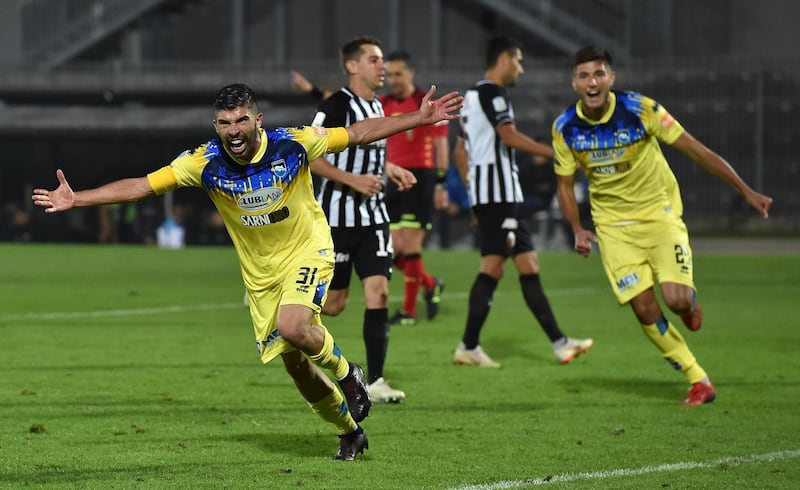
[268,203]
[629,178]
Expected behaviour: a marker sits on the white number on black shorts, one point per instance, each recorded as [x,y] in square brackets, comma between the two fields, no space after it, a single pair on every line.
[384,246]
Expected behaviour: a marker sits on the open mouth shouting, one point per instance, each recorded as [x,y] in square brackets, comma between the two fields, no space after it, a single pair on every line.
[237,145]
[593,98]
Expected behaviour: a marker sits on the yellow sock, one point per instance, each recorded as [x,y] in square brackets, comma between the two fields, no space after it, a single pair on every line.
[331,358]
[675,350]
[333,409]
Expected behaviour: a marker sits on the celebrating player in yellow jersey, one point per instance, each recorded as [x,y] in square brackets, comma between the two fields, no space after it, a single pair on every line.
[261,184]
[636,204]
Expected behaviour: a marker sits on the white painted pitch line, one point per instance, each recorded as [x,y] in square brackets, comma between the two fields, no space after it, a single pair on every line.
[64,315]
[623,472]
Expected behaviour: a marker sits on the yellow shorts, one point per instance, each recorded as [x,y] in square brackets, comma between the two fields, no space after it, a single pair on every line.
[305,282]
[633,255]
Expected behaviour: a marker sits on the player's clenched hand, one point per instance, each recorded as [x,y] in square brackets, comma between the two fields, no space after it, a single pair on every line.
[760,202]
[400,176]
[583,242]
[60,199]
[445,107]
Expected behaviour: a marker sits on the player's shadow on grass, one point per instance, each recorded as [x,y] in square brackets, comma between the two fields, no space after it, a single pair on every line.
[662,390]
[323,445]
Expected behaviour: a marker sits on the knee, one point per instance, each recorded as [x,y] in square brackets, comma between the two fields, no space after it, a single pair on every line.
[646,310]
[293,331]
[527,263]
[679,302]
[376,294]
[495,271]
[296,365]
[647,316]
[334,306]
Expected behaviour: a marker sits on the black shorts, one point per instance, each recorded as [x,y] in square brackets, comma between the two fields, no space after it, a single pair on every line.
[412,208]
[368,249]
[501,231]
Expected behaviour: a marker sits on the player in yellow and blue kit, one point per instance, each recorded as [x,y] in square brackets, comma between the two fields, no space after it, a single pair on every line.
[636,204]
[261,184]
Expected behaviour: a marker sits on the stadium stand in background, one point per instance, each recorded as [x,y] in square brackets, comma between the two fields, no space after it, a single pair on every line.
[124,85]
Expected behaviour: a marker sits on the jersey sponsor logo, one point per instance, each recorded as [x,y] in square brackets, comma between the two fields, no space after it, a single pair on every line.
[499,104]
[265,219]
[321,131]
[342,257]
[612,169]
[263,345]
[606,156]
[623,137]
[628,281]
[259,199]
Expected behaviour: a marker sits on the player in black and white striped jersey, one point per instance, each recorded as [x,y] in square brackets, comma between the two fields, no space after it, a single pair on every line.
[351,194]
[486,160]
[345,206]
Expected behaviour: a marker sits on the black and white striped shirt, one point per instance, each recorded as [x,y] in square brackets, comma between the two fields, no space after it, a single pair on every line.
[492,174]
[345,207]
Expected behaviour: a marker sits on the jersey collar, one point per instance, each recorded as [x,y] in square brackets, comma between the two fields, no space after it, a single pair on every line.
[612,97]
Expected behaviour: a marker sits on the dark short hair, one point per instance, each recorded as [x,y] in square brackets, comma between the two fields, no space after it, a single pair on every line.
[401,56]
[592,53]
[499,45]
[352,49]
[235,95]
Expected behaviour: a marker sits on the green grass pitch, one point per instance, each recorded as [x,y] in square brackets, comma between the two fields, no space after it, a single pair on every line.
[133,367]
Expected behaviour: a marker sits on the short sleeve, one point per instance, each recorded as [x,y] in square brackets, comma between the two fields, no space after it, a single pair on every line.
[318,141]
[495,104]
[185,171]
[162,180]
[189,165]
[565,163]
[659,122]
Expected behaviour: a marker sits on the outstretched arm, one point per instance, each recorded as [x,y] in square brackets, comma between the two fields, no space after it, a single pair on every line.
[717,166]
[430,111]
[64,198]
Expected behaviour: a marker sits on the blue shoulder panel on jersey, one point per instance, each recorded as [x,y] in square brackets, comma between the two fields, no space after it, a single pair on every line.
[565,117]
[622,129]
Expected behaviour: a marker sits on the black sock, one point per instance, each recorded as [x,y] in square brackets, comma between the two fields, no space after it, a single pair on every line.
[376,341]
[480,300]
[538,304]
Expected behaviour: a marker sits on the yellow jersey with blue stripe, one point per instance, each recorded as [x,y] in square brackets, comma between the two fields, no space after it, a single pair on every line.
[267,204]
[629,178]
